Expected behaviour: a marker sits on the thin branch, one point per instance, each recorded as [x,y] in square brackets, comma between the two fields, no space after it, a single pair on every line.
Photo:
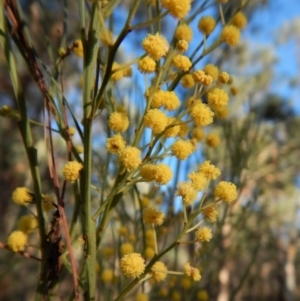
[22,253]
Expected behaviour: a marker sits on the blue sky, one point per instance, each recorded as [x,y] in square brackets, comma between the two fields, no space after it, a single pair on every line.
[269,23]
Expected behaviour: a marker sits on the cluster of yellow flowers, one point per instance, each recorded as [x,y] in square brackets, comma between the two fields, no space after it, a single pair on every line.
[71,171]
[156,47]
[133,266]
[166,116]
[230,33]
[199,181]
[160,173]
[153,216]
[160,104]
[165,99]
[18,239]
[22,196]
[177,8]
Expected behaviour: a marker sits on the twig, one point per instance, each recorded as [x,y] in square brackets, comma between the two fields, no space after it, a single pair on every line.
[22,253]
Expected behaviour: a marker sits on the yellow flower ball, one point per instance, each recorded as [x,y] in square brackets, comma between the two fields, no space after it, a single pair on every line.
[184,32]
[209,170]
[177,8]
[182,62]
[239,20]
[182,149]
[212,70]
[217,99]
[158,271]
[107,275]
[199,181]
[201,77]
[149,253]
[71,171]
[222,113]
[79,149]
[203,234]
[226,191]
[123,231]
[156,120]
[198,134]
[147,65]
[22,196]
[182,45]
[166,99]
[212,140]
[162,174]
[118,122]
[192,272]
[187,192]
[223,77]
[27,223]
[126,248]
[153,216]
[230,35]
[186,283]
[130,157]
[132,265]
[17,241]
[202,114]
[155,45]
[149,234]
[147,172]
[71,131]
[206,25]
[187,81]
[210,213]
[115,144]
[202,295]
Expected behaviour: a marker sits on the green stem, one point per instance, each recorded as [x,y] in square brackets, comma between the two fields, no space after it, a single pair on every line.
[90,57]
[88,223]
